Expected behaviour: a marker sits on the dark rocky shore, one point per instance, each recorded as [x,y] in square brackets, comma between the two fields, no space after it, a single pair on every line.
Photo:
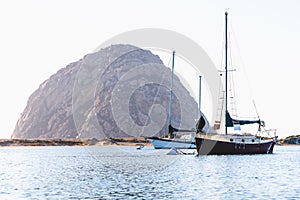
[47,142]
[290,140]
[74,142]
[293,139]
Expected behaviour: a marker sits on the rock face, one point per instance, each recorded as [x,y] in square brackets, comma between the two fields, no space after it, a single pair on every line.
[294,139]
[119,91]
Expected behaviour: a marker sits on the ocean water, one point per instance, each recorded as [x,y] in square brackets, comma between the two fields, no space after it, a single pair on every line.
[126,173]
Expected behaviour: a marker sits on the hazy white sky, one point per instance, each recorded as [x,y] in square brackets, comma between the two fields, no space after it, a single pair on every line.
[39,37]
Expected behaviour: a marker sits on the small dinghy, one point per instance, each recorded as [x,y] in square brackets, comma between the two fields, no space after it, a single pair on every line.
[139,146]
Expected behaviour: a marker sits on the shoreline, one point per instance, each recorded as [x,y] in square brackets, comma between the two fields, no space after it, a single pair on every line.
[75,142]
[134,141]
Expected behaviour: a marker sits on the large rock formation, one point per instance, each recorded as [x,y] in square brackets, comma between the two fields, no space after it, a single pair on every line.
[119,91]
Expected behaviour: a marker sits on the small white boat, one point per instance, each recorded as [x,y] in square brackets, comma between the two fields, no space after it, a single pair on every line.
[139,146]
[167,143]
[172,140]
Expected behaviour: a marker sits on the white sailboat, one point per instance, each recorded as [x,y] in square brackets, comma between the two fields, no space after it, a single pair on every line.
[173,140]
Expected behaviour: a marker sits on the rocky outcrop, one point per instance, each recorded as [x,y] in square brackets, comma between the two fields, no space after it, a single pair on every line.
[294,139]
[119,91]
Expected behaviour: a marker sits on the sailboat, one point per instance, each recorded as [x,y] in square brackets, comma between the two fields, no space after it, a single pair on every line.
[172,141]
[233,143]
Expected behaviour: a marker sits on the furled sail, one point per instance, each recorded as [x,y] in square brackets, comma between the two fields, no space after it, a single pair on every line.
[202,125]
[231,122]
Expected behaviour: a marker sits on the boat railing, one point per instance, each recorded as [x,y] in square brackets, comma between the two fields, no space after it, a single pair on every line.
[242,135]
[269,134]
[184,139]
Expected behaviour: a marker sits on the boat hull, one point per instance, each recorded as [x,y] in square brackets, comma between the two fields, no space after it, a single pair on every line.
[164,143]
[206,146]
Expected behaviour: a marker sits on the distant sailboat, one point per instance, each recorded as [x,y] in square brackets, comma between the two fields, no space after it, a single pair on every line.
[208,143]
[171,141]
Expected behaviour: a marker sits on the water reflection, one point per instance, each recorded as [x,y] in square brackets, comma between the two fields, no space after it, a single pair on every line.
[111,173]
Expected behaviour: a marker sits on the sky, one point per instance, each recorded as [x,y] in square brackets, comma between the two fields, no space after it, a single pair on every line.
[40,37]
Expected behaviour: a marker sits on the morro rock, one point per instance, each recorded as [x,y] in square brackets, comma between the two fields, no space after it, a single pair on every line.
[119,91]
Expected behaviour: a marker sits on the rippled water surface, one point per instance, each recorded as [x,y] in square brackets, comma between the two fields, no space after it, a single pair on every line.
[126,173]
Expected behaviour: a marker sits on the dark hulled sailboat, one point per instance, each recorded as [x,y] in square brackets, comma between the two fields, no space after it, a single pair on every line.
[218,144]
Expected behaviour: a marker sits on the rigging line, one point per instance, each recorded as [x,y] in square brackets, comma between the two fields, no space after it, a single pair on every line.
[182,78]
[169,61]
[256,109]
[162,57]
[155,97]
[242,63]
[222,53]
[231,79]
[221,73]
[221,98]
[185,80]
[221,95]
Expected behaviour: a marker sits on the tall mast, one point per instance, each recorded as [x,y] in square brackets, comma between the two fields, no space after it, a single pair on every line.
[226,46]
[171,93]
[199,96]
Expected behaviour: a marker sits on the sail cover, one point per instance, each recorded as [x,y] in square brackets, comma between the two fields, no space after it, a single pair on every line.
[203,125]
[231,122]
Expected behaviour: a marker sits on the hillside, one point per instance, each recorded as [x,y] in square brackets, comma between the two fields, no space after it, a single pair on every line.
[109,93]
